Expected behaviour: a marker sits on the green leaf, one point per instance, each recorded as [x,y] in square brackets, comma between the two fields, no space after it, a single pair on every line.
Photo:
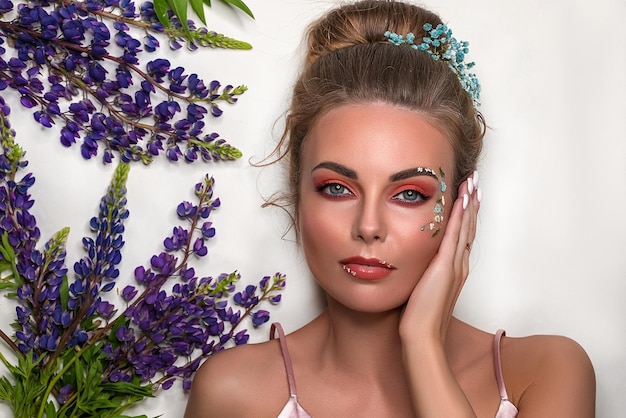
[5,265]
[7,281]
[240,5]
[132,416]
[6,389]
[89,323]
[161,8]
[28,387]
[198,7]
[7,249]
[51,411]
[78,368]
[64,292]
[179,7]
[130,388]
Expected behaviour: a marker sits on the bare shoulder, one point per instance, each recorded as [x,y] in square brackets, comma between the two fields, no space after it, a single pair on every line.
[238,380]
[549,375]
[545,355]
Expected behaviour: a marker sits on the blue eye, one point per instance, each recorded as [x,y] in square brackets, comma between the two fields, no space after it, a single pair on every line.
[409,196]
[335,189]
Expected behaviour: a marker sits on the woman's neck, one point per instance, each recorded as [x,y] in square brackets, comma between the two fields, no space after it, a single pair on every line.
[353,339]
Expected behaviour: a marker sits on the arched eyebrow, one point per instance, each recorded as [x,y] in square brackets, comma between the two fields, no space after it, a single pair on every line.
[337,168]
[413,172]
[401,175]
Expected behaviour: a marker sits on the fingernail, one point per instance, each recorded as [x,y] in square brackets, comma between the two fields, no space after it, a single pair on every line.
[465,201]
[479,194]
[476,177]
[470,185]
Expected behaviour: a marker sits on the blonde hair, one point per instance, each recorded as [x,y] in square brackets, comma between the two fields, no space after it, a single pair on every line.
[350,61]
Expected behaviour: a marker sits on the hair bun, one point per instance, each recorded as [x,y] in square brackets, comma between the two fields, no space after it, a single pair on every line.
[364,22]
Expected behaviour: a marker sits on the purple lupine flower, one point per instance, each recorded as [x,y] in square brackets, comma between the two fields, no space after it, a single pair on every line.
[186,210]
[129,293]
[242,337]
[78,39]
[199,248]
[178,239]
[124,333]
[260,317]
[64,394]
[194,316]
[166,328]
[207,230]
[247,297]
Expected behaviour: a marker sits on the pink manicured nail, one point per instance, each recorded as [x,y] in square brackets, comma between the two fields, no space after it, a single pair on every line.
[479,194]
[476,178]
[465,201]
[470,185]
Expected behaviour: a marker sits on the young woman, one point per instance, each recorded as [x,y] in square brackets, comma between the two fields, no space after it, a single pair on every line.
[382,139]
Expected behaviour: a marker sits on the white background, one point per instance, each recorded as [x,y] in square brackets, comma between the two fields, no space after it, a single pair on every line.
[550,256]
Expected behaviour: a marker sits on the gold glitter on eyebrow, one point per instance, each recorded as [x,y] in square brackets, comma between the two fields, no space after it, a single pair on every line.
[413,172]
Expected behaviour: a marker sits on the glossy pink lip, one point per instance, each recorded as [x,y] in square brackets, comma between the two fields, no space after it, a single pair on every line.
[366,268]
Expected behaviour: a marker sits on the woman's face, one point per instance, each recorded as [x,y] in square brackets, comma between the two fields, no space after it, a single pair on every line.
[372,200]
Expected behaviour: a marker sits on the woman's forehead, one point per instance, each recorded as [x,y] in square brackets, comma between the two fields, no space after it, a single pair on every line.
[374,134]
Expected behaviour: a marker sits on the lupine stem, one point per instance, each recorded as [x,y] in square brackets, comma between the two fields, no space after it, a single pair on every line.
[11,344]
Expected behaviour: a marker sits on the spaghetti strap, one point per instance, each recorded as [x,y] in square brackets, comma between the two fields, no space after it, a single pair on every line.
[498,363]
[506,409]
[292,408]
[291,380]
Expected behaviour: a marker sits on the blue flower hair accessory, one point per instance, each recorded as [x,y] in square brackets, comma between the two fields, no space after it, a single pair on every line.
[441,45]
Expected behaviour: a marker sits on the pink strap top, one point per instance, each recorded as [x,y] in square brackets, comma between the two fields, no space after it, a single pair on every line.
[506,408]
[293,409]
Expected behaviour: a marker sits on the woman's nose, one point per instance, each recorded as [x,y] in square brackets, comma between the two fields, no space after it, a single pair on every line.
[369,224]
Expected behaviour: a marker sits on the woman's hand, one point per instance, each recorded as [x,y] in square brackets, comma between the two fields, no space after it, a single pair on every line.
[430,306]
[424,323]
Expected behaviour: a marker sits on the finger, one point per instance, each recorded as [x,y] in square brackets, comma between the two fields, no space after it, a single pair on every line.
[473,208]
[458,233]
[476,200]
[450,241]
[467,231]
[464,240]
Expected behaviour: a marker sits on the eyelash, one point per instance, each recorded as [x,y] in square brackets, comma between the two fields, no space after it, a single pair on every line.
[420,197]
[345,191]
[325,187]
